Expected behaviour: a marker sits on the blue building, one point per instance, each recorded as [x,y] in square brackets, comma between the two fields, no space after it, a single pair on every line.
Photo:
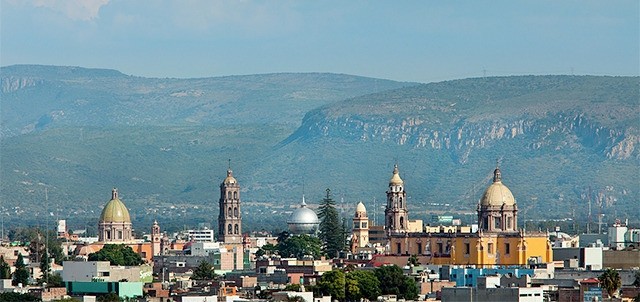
[469,276]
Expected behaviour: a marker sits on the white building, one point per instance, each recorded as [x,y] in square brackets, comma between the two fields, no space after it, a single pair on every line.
[204,235]
[616,235]
[102,271]
[206,248]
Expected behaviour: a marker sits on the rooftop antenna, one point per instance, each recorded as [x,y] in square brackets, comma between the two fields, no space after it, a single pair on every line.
[375,212]
[601,198]
[46,242]
[589,215]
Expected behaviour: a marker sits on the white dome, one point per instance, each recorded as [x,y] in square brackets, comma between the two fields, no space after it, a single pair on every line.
[303,220]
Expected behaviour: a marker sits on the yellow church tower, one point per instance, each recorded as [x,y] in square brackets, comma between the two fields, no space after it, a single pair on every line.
[360,233]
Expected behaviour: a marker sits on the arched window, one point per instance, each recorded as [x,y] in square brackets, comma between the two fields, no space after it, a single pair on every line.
[235,212]
[228,194]
[402,222]
[236,229]
[390,222]
[229,229]
[400,202]
[235,195]
[229,213]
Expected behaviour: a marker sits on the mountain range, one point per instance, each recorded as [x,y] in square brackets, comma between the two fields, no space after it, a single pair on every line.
[562,143]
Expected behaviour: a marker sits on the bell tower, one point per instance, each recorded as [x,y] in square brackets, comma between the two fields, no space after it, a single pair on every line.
[395,213]
[360,227]
[230,218]
[155,238]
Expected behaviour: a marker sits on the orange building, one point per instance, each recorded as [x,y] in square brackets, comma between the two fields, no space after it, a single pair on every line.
[497,242]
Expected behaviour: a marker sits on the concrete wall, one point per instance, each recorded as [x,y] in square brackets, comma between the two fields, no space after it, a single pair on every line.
[459,294]
[621,259]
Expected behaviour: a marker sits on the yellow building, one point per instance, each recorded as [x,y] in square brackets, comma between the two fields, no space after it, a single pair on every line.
[497,242]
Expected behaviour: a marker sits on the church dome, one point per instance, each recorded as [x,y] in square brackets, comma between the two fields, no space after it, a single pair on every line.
[360,208]
[115,210]
[303,220]
[395,179]
[230,180]
[497,194]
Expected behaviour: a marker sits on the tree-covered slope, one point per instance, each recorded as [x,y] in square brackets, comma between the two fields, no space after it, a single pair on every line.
[165,143]
[557,137]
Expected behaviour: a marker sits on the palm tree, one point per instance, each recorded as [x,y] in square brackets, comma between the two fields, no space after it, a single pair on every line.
[610,281]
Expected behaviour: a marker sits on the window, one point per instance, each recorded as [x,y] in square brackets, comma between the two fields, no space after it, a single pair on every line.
[364,225]
[119,234]
[235,195]
[236,229]
[229,213]
[439,247]
[400,204]
[490,248]
[356,225]
[235,212]
[467,249]
[229,229]
[509,223]
[399,248]
[507,248]
[498,222]
[402,222]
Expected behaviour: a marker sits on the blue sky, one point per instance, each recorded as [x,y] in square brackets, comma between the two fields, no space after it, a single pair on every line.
[421,41]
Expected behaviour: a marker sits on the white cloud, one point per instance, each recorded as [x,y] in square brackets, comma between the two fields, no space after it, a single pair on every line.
[79,10]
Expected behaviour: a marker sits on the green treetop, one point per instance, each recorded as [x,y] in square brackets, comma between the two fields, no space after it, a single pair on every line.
[5,270]
[117,254]
[331,232]
[610,281]
[204,271]
[21,274]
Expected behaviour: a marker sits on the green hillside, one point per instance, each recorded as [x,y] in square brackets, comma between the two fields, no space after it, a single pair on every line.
[165,143]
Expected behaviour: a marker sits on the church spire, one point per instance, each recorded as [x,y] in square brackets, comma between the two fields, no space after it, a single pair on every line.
[497,176]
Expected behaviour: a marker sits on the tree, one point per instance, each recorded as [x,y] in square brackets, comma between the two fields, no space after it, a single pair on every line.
[267,249]
[39,241]
[110,297]
[204,271]
[21,274]
[333,283]
[45,268]
[5,269]
[55,280]
[636,279]
[331,232]
[367,283]
[17,297]
[299,246]
[394,282]
[413,260]
[410,289]
[293,288]
[117,254]
[610,281]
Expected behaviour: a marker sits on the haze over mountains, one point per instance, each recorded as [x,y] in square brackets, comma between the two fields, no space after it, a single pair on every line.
[165,142]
